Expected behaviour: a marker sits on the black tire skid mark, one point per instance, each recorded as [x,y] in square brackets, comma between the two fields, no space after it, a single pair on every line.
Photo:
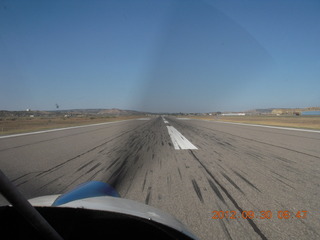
[250,221]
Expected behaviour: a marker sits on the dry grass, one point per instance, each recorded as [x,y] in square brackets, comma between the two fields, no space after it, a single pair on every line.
[308,122]
[22,125]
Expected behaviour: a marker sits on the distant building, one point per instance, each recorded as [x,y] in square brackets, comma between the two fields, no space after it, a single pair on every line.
[233,114]
[28,109]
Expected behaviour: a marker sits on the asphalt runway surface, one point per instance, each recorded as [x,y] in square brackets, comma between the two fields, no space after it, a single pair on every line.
[265,180]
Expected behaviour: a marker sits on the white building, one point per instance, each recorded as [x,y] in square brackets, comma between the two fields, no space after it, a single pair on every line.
[233,114]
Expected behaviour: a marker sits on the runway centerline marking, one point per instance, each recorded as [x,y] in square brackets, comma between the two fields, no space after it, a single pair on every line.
[164,120]
[178,140]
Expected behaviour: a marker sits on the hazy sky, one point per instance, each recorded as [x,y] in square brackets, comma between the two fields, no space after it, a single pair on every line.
[159,56]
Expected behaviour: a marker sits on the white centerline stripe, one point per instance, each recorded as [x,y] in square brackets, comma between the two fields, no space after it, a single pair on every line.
[164,120]
[178,140]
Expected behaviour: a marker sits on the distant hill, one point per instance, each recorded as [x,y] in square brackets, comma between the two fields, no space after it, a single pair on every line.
[115,111]
[296,111]
[71,112]
[15,114]
[282,111]
[103,112]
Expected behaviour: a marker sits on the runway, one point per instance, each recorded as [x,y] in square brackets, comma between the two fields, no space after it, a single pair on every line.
[223,181]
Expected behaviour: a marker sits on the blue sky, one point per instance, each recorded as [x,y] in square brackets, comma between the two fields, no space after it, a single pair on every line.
[159,56]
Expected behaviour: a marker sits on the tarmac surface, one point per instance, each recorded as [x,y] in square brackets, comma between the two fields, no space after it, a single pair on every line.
[232,182]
